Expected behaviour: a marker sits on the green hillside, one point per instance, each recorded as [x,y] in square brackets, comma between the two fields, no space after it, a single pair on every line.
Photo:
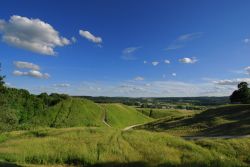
[120,116]
[161,113]
[225,120]
[70,113]
[110,147]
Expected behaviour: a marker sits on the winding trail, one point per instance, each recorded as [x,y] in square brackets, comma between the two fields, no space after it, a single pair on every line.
[104,118]
[131,127]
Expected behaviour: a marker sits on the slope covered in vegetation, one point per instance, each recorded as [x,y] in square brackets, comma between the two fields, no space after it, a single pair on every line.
[70,113]
[120,116]
[225,120]
[161,113]
[110,147]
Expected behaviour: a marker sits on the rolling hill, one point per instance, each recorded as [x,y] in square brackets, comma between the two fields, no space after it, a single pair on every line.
[161,113]
[70,113]
[225,120]
[120,116]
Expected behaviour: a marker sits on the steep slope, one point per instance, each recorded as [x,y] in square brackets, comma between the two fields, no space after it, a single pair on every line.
[71,113]
[225,120]
[120,116]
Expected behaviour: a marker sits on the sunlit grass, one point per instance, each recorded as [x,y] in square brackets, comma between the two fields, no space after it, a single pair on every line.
[108,146]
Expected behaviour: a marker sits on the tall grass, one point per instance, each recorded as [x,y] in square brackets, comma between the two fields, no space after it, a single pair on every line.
[110,147]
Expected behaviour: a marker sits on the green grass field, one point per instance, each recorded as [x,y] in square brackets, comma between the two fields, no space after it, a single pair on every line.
[111,147]
[225,120]
[121,116]
[161,113]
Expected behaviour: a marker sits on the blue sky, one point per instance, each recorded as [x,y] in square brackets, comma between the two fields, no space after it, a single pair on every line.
[126,48]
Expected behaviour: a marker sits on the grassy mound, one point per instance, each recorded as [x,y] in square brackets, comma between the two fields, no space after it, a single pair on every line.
[110,147]
[161,113]
[120,116]
[70,113]
[225,120]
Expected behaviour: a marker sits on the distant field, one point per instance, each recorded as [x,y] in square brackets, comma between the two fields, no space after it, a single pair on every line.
[160,113]
[121,116]
[225,120]
[110,147]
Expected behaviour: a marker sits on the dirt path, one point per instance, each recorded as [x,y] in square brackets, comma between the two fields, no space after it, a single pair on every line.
[131,127]
[104,118]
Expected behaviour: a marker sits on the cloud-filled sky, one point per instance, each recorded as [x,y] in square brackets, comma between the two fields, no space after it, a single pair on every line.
[126,48]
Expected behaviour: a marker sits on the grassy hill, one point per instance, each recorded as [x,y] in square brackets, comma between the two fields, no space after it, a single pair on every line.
[225,120]
[111,147]
[120,116]
[161,113]
[70,113]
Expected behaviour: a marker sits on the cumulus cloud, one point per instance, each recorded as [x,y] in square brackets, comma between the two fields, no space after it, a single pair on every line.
[155,63]
[31,34]
[166,61]
[32,73]
[62,85]
[248,70]
[187,60]
[23,64]
[174,74]
[232,81]
[139,78]
[90,37]
[246,40]
[183,39]
[128,53]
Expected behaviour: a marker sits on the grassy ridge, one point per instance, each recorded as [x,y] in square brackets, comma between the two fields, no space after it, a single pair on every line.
[120,116]
[160,113]
[70,113]
[110,147]
[225,120]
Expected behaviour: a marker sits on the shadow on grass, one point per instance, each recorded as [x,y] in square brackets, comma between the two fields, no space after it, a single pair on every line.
[6,164]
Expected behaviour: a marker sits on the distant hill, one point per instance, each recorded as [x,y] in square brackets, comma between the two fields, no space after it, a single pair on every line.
[120,116]
[225,120]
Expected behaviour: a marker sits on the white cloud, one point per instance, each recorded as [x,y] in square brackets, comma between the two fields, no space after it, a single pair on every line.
[187,60]
[23,64]
[143,89]
[248,70]
[145,62]
[189,37]
[73,39]
[246,40]
[181,40]
[139,78]
[166,61]
[32,73]
[62,85]
[174,74]
[232,81]
[90,37]
[155,63]
[128,53]
[31,34]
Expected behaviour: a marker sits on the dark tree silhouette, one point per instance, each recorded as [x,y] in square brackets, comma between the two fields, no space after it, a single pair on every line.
[1,78]
[242,95]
